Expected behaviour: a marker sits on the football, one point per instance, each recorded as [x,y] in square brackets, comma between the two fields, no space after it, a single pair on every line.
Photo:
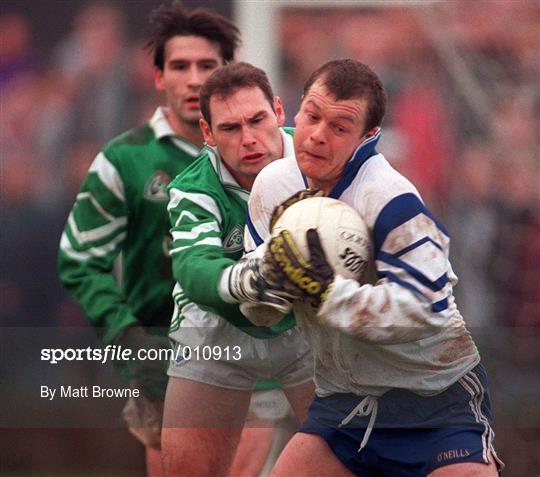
[344,234]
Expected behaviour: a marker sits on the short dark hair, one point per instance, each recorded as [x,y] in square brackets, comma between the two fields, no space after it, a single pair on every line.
[350,79]
[225,81]
[174,20]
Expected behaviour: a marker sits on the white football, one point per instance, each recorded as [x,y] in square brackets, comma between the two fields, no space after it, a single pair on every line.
[344,234]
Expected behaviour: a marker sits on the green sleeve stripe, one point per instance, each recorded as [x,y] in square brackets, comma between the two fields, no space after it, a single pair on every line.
[93,190]
[182,215]
[101,241]
[96,234]
[196,231]
[101,251]
[108,175]
[207,241]
[201,200]
[90,197]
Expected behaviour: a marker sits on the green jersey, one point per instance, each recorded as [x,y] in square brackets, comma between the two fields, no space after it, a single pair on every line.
[208,214]
[122,207]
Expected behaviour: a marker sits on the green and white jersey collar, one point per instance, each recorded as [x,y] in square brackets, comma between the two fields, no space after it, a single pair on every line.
[162,128]
[227,179]
[288,143]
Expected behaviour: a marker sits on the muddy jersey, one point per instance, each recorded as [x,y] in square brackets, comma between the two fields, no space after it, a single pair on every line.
[403,329]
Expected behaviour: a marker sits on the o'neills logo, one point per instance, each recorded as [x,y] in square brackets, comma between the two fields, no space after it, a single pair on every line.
[156,187]
[295,274]
[452,454]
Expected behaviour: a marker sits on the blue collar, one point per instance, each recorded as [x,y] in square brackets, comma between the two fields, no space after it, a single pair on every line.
[362,153]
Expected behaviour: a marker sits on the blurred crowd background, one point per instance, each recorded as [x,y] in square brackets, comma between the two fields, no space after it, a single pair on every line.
[463,124]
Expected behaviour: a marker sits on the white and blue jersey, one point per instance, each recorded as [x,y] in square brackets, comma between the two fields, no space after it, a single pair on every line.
[403,329]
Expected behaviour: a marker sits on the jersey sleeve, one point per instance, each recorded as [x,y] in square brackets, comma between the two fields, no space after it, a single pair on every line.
[412,298]
[197,254]
[92,239]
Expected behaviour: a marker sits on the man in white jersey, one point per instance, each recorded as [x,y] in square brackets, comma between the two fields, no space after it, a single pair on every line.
[400,388]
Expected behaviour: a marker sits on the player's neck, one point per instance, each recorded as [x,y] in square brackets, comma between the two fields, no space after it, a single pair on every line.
[189,131]
[325,186]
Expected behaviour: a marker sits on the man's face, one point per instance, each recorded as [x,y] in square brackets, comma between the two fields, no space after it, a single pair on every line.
[188,62]
[327,133]
[245,131]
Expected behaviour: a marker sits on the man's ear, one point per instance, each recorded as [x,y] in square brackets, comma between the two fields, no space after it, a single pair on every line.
[280,112]
[371,133]
[158,79]
[207,132]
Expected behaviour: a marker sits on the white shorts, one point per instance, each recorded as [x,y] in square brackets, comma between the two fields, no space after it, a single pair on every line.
[222,355]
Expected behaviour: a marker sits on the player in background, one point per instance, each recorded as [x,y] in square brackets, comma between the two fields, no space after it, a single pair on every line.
[121,208]
[400,389]
[207,398]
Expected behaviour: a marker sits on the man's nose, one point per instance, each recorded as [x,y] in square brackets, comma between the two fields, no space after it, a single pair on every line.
[248,138]
[318,134]
[195,76]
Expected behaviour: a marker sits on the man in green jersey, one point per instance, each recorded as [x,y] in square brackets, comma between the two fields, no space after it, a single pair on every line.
[219,354]
[121,208]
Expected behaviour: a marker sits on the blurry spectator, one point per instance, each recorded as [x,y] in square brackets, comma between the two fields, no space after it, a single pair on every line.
[17,57]
[420,115]
[29,291]
[142,97]
[93,58]
[472,226]
[515,259]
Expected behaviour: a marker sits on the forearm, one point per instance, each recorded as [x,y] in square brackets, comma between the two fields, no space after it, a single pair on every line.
[198,270]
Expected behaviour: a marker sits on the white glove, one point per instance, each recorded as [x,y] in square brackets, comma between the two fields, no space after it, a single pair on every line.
[248,283]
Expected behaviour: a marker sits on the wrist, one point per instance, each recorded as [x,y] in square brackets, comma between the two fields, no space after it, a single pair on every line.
[223,286]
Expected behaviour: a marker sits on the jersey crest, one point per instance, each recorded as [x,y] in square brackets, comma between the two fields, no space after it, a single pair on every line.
[234,241]
[156,187]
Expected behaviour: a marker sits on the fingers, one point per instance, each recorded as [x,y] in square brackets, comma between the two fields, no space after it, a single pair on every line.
[301,195]
[316,251]
[313,277]
[298,271]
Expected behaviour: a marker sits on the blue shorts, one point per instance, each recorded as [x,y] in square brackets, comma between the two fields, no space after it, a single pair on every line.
[411,435]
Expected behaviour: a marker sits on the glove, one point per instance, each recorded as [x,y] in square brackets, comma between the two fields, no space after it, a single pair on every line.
[150,375]
[293,199]
[250,280]
[313,278]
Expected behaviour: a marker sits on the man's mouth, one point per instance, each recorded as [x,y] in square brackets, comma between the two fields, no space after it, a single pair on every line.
[312,155]
[256,156]
[192,101]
